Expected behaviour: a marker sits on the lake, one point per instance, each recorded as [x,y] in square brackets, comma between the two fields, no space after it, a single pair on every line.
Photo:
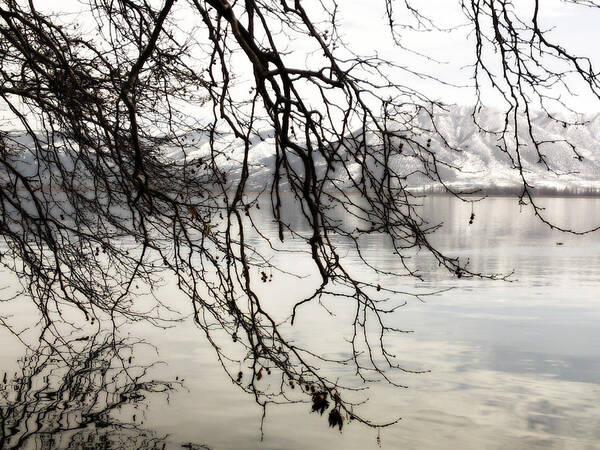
[512,364]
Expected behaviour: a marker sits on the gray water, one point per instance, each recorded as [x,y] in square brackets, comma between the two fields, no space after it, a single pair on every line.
[512,364]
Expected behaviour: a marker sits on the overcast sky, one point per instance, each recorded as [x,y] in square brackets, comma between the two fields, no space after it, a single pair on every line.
[363,26]
[576,28]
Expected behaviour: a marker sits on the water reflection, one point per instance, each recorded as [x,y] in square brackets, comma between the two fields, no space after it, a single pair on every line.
[513,365]
[85,392]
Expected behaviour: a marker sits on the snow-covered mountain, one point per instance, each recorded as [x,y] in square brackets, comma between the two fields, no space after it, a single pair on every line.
[459,143]
[572,152]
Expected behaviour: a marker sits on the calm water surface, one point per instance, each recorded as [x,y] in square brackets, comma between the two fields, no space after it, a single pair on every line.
[513,364]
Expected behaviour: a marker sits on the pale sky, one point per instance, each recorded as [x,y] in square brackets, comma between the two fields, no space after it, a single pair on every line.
[363,26]
[576,28]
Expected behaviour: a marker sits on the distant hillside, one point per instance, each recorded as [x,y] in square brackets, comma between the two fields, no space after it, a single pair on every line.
[482,164]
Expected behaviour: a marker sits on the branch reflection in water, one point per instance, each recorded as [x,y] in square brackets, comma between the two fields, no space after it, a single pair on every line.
[85,392]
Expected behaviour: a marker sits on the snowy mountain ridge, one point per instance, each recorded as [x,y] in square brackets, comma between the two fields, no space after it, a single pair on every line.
[482,164]
[460,143]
